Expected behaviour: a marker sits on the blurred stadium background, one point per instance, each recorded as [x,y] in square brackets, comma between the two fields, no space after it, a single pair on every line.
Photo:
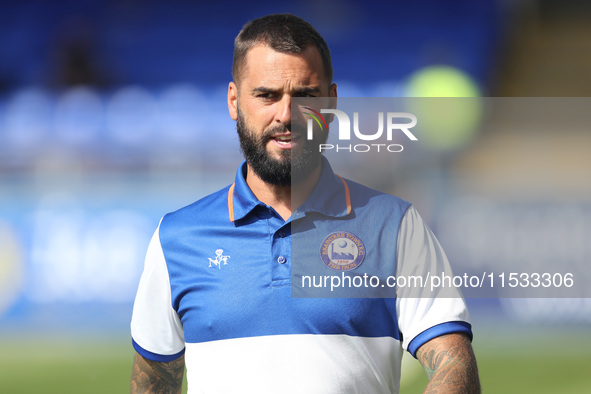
[113,113]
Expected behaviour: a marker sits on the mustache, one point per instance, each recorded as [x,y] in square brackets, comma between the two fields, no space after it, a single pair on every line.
[280,129]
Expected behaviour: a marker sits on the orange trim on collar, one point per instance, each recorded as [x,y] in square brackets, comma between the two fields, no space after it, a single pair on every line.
[348,194]
[231,202]
[231,198]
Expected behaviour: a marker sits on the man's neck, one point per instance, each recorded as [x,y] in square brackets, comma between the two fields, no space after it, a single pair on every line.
[279,197]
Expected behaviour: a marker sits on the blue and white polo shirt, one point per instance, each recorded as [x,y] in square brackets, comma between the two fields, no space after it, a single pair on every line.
[216,286]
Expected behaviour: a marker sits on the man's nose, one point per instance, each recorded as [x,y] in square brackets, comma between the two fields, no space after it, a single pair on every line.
[283,114]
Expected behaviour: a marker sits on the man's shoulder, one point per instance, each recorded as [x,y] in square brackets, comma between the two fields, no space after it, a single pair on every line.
[205,209]
[372,198]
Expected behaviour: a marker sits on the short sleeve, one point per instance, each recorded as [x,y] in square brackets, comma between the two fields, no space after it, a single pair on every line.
[156,329]
[424,312]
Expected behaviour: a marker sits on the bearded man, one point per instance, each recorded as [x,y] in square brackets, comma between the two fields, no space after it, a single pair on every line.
[234,324]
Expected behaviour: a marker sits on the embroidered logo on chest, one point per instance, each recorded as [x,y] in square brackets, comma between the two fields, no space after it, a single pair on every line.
[342,251]
[219,259]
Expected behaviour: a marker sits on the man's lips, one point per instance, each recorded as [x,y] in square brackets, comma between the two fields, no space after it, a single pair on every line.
[286,140]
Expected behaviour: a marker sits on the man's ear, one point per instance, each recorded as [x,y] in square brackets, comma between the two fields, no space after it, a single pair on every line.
[233,100]
[333,92]
[332,104]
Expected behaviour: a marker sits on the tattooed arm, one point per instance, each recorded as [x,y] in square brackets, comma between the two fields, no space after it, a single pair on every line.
[157,377]
[450,364]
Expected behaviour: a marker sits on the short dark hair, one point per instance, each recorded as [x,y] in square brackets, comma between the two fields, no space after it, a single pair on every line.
[285,33]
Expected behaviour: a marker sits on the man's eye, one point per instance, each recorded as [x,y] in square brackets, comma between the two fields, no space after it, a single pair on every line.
[266,95]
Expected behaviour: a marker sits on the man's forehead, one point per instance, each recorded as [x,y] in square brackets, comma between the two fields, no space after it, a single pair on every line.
[262,59]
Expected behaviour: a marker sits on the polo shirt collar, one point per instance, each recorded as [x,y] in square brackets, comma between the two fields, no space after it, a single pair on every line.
[330,196]
[241,200]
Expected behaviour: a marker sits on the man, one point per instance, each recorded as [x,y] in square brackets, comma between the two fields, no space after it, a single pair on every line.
[215,292]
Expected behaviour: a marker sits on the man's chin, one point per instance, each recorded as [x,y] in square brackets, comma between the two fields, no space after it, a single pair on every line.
[301,172]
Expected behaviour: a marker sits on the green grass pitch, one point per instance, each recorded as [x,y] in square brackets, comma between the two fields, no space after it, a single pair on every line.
[532,363]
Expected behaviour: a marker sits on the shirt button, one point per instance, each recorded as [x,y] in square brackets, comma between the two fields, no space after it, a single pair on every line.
[281,260]
[281,234]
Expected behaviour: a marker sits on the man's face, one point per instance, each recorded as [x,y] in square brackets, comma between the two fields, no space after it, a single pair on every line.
[261,105]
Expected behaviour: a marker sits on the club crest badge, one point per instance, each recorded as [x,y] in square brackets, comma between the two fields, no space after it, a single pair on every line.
[342,251]
[219,259]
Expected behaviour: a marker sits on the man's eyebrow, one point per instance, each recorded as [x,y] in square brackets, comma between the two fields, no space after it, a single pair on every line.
[308,90]
[263,89]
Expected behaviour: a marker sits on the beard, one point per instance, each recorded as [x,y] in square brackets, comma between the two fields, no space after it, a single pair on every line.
[286,170]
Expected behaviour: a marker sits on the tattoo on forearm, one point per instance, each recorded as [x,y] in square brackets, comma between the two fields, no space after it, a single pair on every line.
[157,377]
[450,366]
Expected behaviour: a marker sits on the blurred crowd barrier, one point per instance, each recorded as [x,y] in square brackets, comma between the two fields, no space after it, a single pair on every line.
[121,129]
